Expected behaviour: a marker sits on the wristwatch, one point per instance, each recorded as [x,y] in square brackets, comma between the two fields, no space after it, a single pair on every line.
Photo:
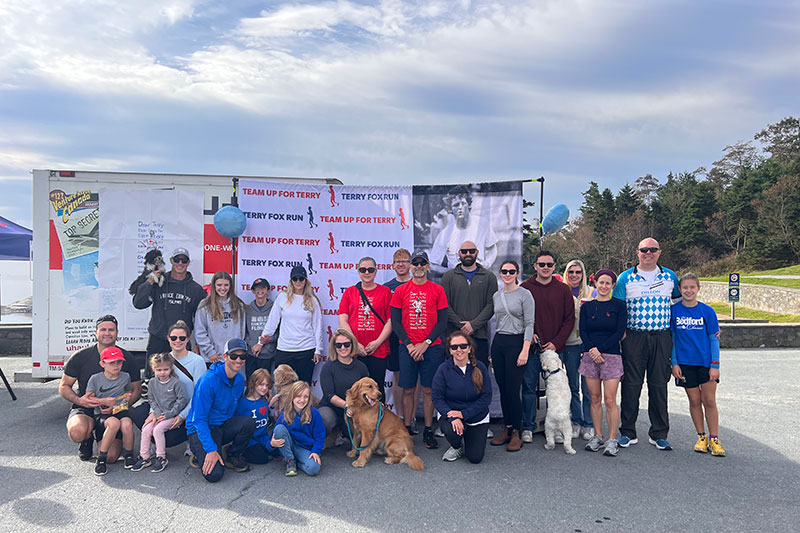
[428,342]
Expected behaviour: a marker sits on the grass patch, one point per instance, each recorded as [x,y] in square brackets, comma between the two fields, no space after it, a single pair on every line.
[785,271]
[743,312]
[789,283]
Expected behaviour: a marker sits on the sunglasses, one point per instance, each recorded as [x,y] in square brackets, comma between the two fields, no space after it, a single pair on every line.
[180,259]
[177,337]
[508,271]
[235,356]
[298,279]
[575,272]
[545,265]
[366,270]
[338,345]
[454,347]
[651,249]
[468,251]
[419,263]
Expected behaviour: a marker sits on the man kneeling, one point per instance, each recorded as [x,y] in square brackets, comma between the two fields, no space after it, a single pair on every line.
[212,424]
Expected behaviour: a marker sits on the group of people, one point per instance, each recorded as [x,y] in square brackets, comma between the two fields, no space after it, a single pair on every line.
[212,358]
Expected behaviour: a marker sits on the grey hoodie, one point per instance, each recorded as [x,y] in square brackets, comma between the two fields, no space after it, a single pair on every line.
[211,335]
[167,398]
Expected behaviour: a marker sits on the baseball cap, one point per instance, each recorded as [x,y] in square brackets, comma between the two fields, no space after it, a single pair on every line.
[112,353]
[180,251]
[235,344]
[106,318]
[420,254]
[259,282]
[298,271]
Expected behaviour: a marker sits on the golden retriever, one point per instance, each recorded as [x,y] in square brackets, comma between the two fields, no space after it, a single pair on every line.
[392,440]
[283,376]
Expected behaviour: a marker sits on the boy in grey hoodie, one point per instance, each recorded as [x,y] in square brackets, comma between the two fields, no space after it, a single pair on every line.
[257,313]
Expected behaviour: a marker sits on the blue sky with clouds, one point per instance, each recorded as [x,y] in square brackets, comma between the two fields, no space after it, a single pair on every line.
[395,92]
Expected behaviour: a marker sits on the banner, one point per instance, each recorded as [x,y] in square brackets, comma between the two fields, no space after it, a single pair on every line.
[134,222]
[324,228]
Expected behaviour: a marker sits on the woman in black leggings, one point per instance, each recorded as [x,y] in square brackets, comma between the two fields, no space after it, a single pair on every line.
[513,308]
[462,393]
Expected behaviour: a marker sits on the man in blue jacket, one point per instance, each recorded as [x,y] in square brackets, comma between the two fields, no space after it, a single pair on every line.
[211,423]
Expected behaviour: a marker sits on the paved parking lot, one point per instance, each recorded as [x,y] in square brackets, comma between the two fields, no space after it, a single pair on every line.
[43,484]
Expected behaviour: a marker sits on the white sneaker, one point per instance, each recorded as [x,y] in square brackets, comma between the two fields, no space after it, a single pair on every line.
[527,436]
[438,432]
[559,438]
[451,454]
[489,433]
[188,452]
[588,433]
[576,431]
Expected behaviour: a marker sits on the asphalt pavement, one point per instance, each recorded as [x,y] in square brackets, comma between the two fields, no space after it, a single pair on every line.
[43,484]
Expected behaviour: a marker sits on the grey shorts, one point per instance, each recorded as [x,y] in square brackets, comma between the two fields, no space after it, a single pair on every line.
[611,369]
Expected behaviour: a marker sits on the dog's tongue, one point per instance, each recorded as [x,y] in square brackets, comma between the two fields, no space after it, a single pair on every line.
[370,401]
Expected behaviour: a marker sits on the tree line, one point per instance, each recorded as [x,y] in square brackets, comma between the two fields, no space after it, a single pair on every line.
[741,213]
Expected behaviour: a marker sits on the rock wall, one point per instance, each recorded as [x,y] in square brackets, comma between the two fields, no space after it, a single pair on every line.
[760,297]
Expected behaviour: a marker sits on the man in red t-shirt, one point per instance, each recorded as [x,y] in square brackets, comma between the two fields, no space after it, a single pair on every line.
[364,311]
[419,318]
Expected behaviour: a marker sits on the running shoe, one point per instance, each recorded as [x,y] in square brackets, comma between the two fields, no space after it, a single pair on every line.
[624,441]
[85,450]
[594,444]
[702,444]
[141,464]
[661,444]
[611,448]
[159,464]
[430,441]
[291,470]
[100,469]
[715,446]
[451,454]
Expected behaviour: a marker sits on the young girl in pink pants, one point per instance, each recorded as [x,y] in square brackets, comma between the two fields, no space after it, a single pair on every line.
[167,398]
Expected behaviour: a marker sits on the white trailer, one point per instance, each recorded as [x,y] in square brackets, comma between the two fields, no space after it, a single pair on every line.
[75,279]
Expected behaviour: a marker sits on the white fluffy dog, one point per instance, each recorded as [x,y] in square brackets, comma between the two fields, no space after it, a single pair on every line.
[558,418]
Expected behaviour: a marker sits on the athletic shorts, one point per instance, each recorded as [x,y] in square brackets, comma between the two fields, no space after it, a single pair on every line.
[392,360]
[694,376]
[611,369]
[99,427]
[425,369]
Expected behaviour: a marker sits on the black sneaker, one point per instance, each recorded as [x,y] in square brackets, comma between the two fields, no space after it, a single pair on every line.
[100,469]
[193,462]
[430,441]
[237,464]
[85,450]
[129,461]
[141,464]
[159,464]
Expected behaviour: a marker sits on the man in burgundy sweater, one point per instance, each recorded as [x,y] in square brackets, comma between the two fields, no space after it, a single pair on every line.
[553,320]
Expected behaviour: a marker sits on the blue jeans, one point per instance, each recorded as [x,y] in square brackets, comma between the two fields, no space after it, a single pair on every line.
[530,382]
[290,450]
[580,413]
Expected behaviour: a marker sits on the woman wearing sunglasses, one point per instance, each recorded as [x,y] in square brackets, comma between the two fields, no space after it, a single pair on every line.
[580,408]
[298,312]
[188,367]
[364,311]
[514,311]
[338,374]
[462,393]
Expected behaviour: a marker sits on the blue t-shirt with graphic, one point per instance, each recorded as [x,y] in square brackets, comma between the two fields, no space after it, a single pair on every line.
[258,410]
[691,327]
[648,296]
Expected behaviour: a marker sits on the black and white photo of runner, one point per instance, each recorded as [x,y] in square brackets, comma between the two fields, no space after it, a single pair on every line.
[487,214]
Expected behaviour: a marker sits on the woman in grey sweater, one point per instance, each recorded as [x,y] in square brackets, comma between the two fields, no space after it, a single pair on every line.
[513,308]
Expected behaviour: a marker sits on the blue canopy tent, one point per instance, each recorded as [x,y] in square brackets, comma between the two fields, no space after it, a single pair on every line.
[14,241]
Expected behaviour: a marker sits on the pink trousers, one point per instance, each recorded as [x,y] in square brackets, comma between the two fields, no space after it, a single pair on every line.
[157,432]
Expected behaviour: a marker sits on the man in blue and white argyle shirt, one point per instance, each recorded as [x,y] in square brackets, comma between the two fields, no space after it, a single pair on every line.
[649,291]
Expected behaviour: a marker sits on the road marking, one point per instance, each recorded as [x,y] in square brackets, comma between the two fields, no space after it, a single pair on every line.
[44,402]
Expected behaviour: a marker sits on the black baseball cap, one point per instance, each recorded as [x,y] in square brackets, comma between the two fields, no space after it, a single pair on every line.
[259,282]
[420,254]
[298,271]
[106,318]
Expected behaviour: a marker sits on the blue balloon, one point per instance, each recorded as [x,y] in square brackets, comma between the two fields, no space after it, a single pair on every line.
[230,221]
[555,219]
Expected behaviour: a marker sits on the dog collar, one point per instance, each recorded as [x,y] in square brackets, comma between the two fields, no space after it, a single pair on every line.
[547,373]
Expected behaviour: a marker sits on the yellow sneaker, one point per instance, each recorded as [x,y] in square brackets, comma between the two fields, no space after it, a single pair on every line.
[716,448]
[702,444]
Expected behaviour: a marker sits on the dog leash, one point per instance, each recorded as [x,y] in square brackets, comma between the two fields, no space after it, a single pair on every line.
[377,425]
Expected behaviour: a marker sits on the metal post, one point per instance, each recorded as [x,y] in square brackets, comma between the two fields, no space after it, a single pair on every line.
[234,241]
[733,310]
[541,208]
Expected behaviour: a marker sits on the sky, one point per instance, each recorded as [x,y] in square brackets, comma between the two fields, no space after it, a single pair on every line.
[390,92]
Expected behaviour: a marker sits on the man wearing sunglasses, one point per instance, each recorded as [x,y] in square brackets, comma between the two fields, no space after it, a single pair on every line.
[176,300]
[649,290]
[419,318]
[211,423]
[469,289]
[364,312]
[553,321]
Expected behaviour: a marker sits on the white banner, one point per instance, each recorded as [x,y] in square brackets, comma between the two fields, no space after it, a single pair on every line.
[324,228]
[134,222]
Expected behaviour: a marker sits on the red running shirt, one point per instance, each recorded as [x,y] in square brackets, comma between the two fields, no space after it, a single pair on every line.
[365,325]
[419,305]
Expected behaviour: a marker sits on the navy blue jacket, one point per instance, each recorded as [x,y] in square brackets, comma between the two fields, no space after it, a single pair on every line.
[453,390]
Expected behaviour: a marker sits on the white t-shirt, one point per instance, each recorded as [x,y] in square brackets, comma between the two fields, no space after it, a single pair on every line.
[301,328]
